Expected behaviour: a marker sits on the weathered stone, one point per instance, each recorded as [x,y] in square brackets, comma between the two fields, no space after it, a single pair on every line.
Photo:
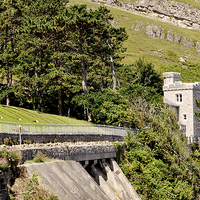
[187,43]
[155,32]
[170,35]
[162,36]
[177,39]
[198,47]
[177,13]
[111,2]
[139,26]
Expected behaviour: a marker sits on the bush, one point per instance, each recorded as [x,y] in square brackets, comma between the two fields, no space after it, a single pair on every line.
[3,164]
[29,188]
[40,157]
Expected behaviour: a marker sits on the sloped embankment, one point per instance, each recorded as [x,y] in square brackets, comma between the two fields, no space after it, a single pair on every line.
[69,180]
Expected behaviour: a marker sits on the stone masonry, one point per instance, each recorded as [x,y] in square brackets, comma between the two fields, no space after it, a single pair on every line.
[80,151]
[181,98]
[60,137]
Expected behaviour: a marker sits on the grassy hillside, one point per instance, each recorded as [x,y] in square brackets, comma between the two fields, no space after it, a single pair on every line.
[140,45]
[12,114]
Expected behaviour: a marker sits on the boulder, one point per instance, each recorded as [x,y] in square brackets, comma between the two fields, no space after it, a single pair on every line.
[187,42]
[139,26]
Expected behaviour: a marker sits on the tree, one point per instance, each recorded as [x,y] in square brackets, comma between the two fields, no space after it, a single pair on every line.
[41,50]
[142,73]
[10,19]
[158,161]
[111,47]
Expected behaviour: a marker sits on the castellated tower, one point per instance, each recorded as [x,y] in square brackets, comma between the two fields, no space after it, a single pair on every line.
[181,98]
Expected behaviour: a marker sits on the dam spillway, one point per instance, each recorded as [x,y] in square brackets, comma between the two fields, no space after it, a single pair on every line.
[69,180]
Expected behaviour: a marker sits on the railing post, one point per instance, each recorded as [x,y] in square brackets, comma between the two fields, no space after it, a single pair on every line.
[20,134]
[28,128]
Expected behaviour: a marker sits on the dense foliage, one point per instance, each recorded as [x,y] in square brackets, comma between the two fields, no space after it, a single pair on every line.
[54,56]
[9,160]
[157,159]
[48,49]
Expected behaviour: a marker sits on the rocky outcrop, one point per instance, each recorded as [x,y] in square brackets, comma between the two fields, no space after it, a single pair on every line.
[176,13]
[159,32]
[198,47]
[155,32]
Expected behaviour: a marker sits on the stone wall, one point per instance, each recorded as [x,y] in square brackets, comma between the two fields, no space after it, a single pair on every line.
[3,187]
[66,151]
[60,137]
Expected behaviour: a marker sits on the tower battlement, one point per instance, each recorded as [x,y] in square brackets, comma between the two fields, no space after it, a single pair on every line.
[171,77]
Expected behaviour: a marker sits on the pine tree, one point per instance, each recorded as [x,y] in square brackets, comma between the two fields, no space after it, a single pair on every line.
[10,20]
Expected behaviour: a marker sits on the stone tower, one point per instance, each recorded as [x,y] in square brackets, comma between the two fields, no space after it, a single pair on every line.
[181,98]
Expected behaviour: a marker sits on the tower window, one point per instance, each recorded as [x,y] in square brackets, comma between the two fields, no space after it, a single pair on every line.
[179,98]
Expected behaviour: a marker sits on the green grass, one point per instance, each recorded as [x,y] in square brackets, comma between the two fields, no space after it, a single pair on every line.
[140,45]
[12,114]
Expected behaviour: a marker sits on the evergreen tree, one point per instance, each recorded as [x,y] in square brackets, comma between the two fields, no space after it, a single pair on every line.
[10,19]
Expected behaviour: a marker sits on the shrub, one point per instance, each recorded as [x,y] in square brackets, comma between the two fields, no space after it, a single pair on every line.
[40,157]
[29,188]
[3,164]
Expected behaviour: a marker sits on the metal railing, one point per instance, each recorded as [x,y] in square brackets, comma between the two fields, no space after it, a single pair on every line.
[12,127]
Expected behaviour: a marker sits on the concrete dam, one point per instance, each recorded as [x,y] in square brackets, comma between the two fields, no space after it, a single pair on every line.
[69,180]
[86,171]
[86,168]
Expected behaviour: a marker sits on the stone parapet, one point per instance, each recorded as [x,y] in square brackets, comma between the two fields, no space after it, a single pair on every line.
[181,86]
[68,151]
[60,137]
[171,75]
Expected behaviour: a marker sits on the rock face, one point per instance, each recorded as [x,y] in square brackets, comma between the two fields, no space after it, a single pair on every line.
[155,32]
[158,32]
[3,187]
[176,13]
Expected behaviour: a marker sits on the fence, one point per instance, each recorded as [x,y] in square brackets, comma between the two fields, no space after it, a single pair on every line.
[10,127]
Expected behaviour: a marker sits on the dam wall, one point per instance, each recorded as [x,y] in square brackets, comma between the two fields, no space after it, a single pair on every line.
[70,181]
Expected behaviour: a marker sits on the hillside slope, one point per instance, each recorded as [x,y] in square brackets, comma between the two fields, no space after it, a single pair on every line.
[157,41]
[22,115]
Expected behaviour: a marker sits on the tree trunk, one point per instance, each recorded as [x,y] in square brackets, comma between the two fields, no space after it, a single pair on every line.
[60,102]
[84,80]
[112,67]
[83,72]
[7,70]
[9,82]
[113,73]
